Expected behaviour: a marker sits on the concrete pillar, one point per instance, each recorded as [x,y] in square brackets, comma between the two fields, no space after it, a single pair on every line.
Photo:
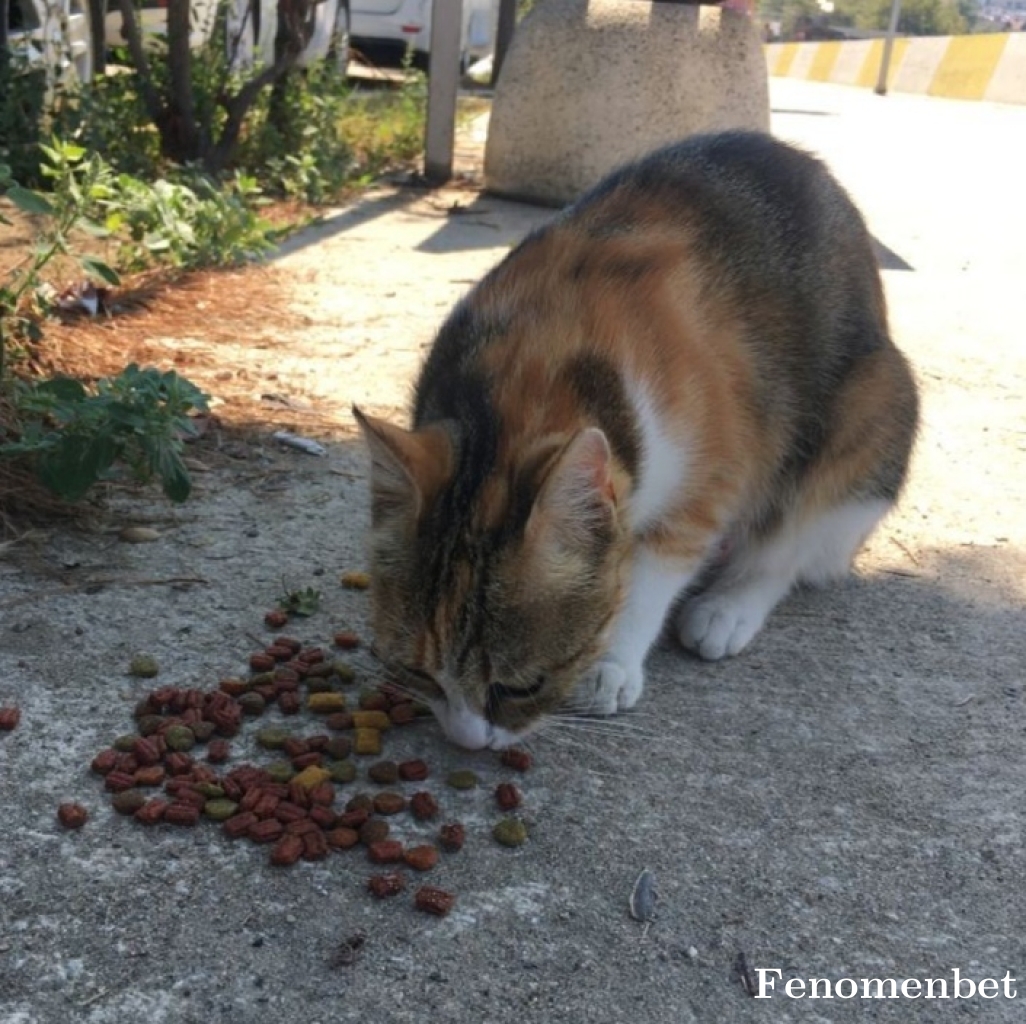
[590,84]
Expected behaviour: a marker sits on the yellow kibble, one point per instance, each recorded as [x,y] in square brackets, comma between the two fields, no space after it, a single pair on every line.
[371,720]
[368,741]
[355,580]
[312,776]
[326,702]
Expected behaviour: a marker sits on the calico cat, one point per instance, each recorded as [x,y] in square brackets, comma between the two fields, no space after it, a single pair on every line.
[683,385]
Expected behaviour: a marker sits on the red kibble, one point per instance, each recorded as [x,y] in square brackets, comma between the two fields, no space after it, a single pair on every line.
[315,846]
[306,760]
[178,763]
[421,858]
[180,813]
[413,771]
[515,757]
[286,812]
[151,775]
[323,793]
[266,805]
[373,701]
[383,886]
[339,720]
[389,803]
[266,831]
[279,652]
[146,751]
[152,811]
[354,818]
[342,838]
[452,836]
[219,751]
[402,714]
[288,702]
[347,640]
[239,824]
[301,827]
[105,761]
[276,618]
[423,806]
[324,817]
[507,796]
[388,851]
[261,662]
[311,655]
[72,815]
[290,642]
[287,850]
[9,718]
[432,900]
[118,782]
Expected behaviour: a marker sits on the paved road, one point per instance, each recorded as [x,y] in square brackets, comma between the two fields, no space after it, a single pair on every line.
[844,801]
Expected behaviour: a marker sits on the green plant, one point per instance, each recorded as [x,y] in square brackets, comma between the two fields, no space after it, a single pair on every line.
[79,184]
[188,223]
[73,436]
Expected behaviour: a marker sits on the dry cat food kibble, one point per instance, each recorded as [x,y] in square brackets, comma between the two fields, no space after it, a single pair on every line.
[9,718]
[72,815]
[510,832]
[433,900]
[464,778]
[179,769]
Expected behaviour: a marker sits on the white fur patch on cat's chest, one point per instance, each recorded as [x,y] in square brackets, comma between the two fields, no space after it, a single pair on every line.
[664,462]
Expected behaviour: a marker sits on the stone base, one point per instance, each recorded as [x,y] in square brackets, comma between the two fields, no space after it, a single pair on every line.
[588,85]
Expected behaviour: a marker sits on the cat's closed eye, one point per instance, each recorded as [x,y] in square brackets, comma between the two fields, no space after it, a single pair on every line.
[499,692]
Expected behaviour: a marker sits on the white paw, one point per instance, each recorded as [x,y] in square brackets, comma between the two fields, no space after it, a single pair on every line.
[607,687]
[718,625]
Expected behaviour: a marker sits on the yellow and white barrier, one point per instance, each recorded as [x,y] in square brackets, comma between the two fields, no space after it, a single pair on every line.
[981,67]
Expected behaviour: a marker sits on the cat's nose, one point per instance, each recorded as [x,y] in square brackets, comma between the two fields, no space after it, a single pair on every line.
[464,727]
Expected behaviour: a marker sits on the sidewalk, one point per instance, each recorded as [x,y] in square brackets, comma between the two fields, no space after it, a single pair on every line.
[843,801]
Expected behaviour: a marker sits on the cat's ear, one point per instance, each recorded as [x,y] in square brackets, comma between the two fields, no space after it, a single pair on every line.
[407,466]
[576,505]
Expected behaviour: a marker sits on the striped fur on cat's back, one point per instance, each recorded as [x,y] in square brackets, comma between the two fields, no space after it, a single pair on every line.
[685,384]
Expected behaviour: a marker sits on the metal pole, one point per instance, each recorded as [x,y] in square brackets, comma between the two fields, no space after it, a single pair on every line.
[443,81]
[885,60]
[503,35]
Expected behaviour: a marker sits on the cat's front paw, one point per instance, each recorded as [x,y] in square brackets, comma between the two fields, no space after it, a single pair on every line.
[608,687]
[719,625]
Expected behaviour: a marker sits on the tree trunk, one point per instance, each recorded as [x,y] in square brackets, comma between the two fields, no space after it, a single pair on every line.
[180,135]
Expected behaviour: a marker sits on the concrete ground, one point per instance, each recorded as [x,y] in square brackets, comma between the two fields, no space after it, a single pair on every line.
[843,801]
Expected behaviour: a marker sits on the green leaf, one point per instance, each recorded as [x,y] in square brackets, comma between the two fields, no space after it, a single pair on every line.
[100,269]
[64,389]
[77,464]
[175,480]
[28,201]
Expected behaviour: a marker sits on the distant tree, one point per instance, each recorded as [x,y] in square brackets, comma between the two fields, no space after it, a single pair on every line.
[924,17]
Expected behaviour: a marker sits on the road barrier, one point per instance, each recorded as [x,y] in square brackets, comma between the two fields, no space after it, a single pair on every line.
[979,67]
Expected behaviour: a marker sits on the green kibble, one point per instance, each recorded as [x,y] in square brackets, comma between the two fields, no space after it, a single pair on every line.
[211,790]
[220,809]
[318,685]
[128,801]
[125,743]
[180,738]
[342,771]
[462,779]
[144,666]
[345,672]
[272,738]
[252,703]
[261,679]
[202,730]
[384,773]
[510,832]
[149,724]
[281,771]
[338,747]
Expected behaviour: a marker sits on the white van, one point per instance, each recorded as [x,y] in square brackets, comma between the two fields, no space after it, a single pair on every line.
[407,23]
